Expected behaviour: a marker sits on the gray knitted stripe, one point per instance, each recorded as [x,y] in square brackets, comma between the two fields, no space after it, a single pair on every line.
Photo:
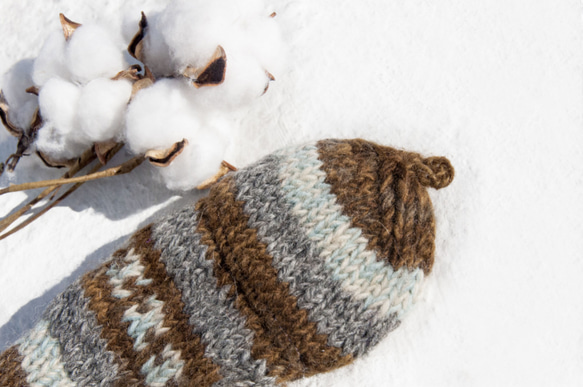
[212,312]
[84,353]
[347,322]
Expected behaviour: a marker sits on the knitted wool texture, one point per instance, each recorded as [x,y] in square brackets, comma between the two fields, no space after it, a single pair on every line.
[290,267]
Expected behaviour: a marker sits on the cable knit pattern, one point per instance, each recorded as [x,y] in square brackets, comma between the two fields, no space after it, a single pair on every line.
[290,267]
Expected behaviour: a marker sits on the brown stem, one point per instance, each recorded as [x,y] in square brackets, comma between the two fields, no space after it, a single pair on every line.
[121,169]
[48,207]
[85,159]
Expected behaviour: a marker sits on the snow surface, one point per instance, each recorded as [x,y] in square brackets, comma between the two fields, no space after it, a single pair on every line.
[496,86]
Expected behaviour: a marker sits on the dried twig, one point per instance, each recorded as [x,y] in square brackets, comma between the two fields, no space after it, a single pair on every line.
[121,169]
[60,199]
[85,159]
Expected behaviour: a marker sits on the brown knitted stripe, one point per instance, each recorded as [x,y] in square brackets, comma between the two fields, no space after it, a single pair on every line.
[377,189]
[109,312]
[11,372]
[388,205]
[352,171]
[197,370]
[406,210]
[283,335]
[425,231]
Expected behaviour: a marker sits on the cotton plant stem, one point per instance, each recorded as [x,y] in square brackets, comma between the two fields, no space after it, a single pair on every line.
[121,169]
[72,189]
[86,158]
[46,208]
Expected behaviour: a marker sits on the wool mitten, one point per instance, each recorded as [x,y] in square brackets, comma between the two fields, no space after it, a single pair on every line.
[290,267]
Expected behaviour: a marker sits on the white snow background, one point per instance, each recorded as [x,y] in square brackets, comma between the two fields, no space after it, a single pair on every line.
[496,86]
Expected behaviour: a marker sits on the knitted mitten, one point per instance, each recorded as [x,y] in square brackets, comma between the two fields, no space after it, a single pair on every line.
[290,267]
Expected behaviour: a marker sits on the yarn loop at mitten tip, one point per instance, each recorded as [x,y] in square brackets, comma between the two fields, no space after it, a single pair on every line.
[435,172]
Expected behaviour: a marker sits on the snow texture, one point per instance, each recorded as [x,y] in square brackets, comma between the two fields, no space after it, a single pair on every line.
[494,86]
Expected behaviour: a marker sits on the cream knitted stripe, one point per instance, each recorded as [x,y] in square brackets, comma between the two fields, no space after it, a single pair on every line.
[152,321]
[42,358]
[343,248]
[346,321]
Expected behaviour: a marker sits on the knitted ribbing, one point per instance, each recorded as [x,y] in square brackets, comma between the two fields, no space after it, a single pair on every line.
[290,267]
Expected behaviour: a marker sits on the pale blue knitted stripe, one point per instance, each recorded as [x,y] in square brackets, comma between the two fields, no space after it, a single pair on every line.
[158,375]
[344,248]
[143,323]
[42,360]
[346,321]
[118,275]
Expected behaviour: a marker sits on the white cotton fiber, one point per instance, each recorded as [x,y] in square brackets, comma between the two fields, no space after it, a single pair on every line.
[58,136]
[58,103]
[187,32]
[193,29]
[101,108]
[132,15]
[50,61]
[245,80]
[93,52]
[160,116]
[264,42]
[200,160]
[22,105]
[155,50]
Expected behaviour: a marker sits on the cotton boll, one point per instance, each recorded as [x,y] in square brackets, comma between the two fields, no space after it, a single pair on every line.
[130,24]
[131,17]
[245,80]
[155,50]
[93,52]
[192,30]
[58,105]
[14,84]
[57,145]
[187,32]
[160,116]
[200,160]
[50,61]
[101,108]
